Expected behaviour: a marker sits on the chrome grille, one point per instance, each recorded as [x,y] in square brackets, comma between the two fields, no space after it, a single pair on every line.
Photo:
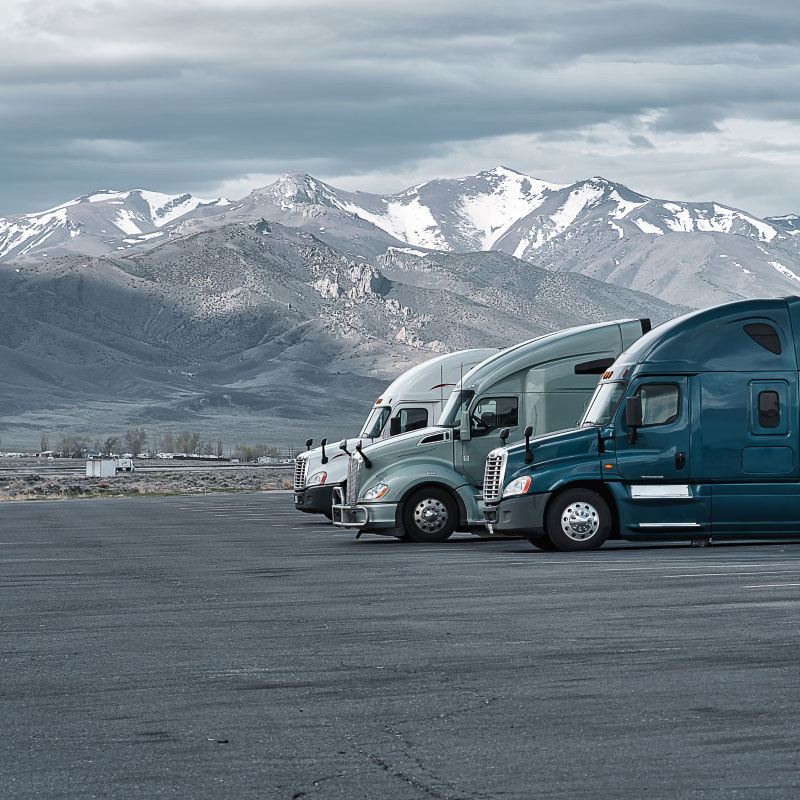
[353,479]
[493,475]
[300,467]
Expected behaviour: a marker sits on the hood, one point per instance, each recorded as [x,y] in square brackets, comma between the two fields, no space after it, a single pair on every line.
[408,442]
[553,447]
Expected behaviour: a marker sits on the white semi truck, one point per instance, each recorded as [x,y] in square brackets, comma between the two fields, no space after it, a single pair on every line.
[411,402]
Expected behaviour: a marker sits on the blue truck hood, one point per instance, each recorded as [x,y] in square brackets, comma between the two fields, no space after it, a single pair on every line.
[581,444]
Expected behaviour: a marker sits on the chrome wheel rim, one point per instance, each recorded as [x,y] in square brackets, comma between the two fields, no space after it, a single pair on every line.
[430,515]
[580,521]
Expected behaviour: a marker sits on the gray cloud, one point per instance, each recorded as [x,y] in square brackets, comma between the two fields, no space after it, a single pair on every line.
[196,96]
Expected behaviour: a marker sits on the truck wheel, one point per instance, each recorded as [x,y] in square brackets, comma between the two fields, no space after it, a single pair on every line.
[542,542]
[429,515]
[578,519]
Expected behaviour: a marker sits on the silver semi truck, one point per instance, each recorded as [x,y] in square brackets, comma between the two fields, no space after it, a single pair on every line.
[425,484]
[410,402]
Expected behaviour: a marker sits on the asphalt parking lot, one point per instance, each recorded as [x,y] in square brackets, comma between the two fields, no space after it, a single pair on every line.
[226,646]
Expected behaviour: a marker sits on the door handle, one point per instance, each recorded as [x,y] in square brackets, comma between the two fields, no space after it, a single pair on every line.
[680,460]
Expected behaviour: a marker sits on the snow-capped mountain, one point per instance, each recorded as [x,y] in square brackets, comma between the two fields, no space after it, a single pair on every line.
[694,254]
[501,209]
[98,223]
[687,253]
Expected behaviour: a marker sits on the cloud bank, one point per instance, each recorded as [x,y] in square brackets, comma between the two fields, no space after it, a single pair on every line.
[677,99]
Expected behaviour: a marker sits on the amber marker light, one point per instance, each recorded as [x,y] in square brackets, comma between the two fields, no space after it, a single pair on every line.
[608,466]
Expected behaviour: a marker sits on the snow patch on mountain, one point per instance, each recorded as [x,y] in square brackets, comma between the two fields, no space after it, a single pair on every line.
[410,222]
[489,216]
[784,270]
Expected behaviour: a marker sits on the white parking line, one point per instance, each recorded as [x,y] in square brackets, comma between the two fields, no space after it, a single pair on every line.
[726,574]
[734,565]
[769,585]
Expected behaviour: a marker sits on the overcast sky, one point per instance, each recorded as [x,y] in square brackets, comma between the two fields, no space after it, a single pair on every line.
[685,99]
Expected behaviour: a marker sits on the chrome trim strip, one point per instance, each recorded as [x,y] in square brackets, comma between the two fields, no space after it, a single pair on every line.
[650,490]
[670,525]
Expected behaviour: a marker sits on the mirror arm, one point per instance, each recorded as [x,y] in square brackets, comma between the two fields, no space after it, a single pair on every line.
[324,457]
[367,462]
[528,452]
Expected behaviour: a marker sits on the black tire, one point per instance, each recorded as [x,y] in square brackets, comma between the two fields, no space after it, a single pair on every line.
[578,519]
[542,542]
[429,515]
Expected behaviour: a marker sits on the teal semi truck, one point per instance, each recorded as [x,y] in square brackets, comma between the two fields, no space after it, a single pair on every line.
[693,432]
[426,484]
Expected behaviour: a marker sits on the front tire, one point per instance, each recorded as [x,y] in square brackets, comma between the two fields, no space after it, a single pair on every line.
[429,515]
[578,519]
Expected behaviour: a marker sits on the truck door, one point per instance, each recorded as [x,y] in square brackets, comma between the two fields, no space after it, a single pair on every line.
[488,416]
[661,453]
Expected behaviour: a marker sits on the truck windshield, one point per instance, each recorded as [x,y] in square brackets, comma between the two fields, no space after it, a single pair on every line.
[375,422]
[604,404]
[458,402]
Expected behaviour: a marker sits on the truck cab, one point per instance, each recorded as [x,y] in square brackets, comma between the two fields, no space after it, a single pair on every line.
[426,484]
[412,401]
[692,433]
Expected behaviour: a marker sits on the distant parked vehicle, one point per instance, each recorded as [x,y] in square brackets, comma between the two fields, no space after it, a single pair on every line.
[143,455]
[125,464]
[164,455]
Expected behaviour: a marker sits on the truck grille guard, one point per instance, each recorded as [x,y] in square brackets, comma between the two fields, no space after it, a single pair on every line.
[348,514]
[493,474]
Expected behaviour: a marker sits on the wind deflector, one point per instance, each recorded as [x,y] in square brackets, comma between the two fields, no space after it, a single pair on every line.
[596,367]
[764,335]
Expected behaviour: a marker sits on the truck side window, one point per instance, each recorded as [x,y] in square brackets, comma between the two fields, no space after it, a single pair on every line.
[494,412]
[769,409]
[412,419]
[764,335]
[660,403]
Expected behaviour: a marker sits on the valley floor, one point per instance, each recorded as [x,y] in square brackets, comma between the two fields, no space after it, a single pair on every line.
[35,485]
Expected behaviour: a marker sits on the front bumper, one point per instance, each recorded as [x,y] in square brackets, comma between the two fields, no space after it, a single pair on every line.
[369,517]
[315,499]
[520,516]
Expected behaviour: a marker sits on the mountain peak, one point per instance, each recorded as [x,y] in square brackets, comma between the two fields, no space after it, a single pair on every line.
[299,187]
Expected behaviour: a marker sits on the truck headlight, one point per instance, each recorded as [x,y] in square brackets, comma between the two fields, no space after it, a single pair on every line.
[376,491]
[517,486]
[317,479]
